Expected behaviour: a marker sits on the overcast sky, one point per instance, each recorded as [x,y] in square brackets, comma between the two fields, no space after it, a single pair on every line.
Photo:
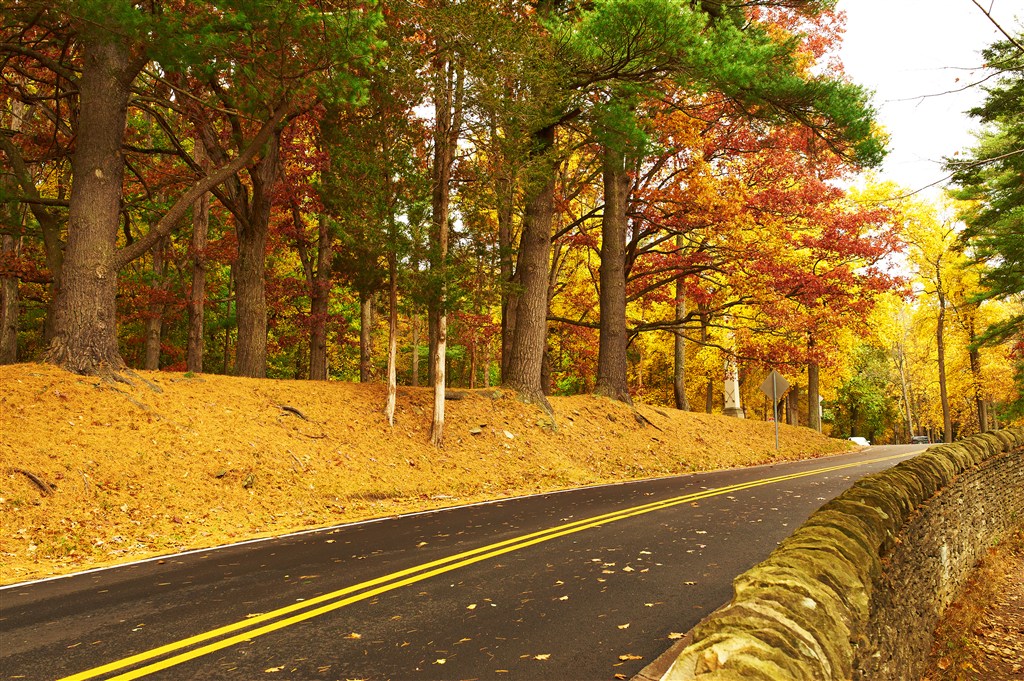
[911,52]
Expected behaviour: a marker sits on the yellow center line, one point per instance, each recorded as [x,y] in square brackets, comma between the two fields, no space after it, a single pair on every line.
[395,580]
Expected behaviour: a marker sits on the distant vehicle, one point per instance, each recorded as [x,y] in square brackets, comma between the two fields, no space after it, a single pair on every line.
[862,441]
[920,440]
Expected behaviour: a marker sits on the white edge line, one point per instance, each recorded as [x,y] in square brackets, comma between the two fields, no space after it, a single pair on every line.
[412,514]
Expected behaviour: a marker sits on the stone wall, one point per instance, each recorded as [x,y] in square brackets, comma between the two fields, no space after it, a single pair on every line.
[856,592]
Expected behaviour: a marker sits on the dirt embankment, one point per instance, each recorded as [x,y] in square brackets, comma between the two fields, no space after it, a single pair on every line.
[93,473]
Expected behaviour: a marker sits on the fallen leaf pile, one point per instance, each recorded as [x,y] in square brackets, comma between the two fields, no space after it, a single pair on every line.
[95,472]
[981,636]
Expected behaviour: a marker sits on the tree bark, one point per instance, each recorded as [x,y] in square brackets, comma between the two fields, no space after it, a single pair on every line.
[365,337]
[901,359]
[85,324]
[319,303]
[48,224]
[976,378]
[197,296]
[506,264]
[415,323]
[612,340]
[709,397]
[813,413]
[530,334]
[155,313]
[250,268]
[940,339]
[448,92]
[9,302]
[389,409]
[679,344]
[792,402]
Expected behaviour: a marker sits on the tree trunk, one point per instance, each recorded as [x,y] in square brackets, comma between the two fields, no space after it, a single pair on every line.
[251,278]
[611,355]
[389,409]
[155,316]
[940,339]
[509,296]
[679,355]
[792,405]
[976,378]
[9,301]
[10,241]
[530,334]
[365,338]
[431,340]
[85,324]
[905,392]
[448,92]
[197,297]
[48,223]
[319,303]
[415,323]
[813,413]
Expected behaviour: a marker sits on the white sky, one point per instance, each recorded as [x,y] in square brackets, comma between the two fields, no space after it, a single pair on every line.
[906,50]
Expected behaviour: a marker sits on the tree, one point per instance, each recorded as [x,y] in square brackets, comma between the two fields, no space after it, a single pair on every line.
[988,180]
[113,43]
[936,254]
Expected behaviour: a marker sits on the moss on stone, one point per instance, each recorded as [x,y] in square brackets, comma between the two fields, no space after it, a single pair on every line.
[806,611]
[817,536]
[874,523]
[894,502]
[835,574]
[818,636]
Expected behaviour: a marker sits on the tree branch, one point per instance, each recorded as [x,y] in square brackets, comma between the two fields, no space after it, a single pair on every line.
[167,223]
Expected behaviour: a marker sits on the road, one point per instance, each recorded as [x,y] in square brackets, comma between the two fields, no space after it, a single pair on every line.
[585,584]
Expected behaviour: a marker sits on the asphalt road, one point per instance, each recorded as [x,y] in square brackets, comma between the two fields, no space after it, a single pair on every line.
[586,584]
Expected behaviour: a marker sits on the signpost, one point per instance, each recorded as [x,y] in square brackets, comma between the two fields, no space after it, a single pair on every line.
[775,386]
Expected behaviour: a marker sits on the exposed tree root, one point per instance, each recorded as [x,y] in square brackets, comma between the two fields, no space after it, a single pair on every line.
[293,410]
[46,488]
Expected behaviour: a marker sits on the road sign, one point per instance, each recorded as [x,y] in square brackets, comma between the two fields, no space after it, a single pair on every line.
[775,386]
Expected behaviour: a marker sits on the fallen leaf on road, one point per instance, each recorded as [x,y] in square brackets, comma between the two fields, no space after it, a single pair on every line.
[471,606]
[628,656]
[542,657]
[354,635]
[621,676]
[627,569]
[273,669]
[440,660]
[563,598]
[675,636]
[624,626]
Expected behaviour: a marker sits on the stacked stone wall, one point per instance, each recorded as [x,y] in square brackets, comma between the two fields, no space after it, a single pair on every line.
[856,592]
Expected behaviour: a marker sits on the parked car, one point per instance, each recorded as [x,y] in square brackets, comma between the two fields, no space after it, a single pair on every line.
[862,441]
[920,440]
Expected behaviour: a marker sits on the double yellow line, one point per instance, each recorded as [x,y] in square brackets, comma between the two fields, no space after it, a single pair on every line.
[248,629]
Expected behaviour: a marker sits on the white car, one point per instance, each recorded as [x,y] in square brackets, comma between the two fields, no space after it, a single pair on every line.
[862,441]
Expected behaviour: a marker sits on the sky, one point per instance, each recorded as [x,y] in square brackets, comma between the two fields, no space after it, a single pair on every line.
[914,54]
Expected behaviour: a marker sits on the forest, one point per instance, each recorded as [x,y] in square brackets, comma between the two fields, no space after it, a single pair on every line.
[634,198]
